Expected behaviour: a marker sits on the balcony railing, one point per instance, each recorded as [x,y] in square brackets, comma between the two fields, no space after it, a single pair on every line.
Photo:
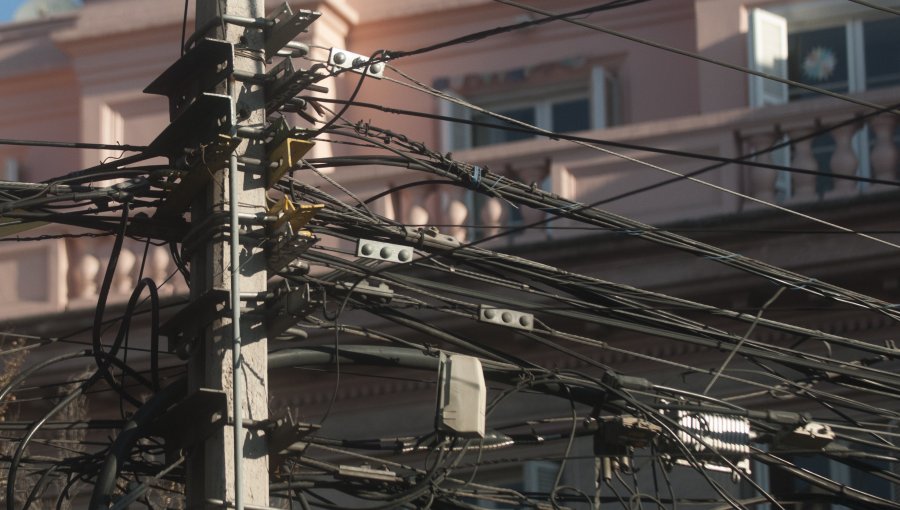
[851,141]
[61,274]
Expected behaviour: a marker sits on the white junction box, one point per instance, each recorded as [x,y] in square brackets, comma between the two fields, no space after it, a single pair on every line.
[462,396]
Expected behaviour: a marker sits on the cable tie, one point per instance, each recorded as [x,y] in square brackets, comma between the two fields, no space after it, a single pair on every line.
[476,176]
[496,182]
[803,286]
[569,207]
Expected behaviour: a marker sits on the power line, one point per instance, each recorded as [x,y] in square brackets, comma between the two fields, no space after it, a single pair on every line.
[877,7]
[742,160]
[697,56]
[74,145]
[429,90]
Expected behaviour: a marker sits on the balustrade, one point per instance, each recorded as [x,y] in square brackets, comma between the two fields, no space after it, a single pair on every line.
[469,216]
[448,208]
[88,260]
[846,150]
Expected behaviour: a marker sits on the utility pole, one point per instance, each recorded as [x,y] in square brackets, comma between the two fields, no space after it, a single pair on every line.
[228,470]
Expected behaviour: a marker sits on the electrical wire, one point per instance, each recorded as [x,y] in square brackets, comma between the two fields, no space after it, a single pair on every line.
[697,56]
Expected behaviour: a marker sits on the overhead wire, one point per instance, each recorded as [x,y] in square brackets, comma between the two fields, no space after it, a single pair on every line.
[698,56]
[745,160]
[495,185]
[429,90]
[882,8]
[575,292]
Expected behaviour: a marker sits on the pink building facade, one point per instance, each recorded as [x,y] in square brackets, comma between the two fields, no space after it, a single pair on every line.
[79,76]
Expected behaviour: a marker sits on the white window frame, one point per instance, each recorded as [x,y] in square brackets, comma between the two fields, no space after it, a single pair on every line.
[811,15]
[800,17]
[596,90]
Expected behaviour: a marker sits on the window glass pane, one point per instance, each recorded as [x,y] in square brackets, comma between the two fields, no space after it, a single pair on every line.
[818,57]
[882,46]
[571,115]
[486,135]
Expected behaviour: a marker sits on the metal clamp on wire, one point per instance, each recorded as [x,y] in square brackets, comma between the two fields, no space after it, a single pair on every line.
[430,237]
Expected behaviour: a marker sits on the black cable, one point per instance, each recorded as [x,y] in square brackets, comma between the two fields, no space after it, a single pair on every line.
[517,192]
[364,72]
[407,185]
[74,145]
[100,355]
[877,7]
[20,449]
[477,36]
[744,160]
[697,56]
[184,26]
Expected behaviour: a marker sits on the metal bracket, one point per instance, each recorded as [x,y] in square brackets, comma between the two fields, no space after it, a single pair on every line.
[367,473]
[287,154]
[188,324]
[809,436]
[615,434]
[286,248]
[287,26]
[284,82]
[355,62]
[198,124]
[381,293]
[285,309]
[505,317]
[296,216]
[212,159]
[191,421]
[431,237]
[380,250]
[282,433]
[201,69]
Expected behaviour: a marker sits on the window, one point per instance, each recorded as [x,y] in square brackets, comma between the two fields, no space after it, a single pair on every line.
[831,44]
[538,477]
[563,97]
[835,45]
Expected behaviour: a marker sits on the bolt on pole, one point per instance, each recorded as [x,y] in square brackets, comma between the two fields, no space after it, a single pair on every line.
[232,466]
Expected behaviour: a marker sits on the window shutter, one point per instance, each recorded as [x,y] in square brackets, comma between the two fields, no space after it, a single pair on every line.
[454,135]
[768,54]
[599,95]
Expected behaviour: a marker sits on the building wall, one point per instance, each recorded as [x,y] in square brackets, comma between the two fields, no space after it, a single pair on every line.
[80,76]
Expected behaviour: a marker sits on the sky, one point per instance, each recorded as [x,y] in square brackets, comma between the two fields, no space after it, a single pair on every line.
[8,8]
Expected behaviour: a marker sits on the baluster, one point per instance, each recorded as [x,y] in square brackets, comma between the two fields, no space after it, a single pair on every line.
[804,185]
[884,153]
[492,216]
[122,279]
[762,180]
[414,204]
[457,214]
[417,215]
[844,160]
[86,270]
[433,203]
[158,268]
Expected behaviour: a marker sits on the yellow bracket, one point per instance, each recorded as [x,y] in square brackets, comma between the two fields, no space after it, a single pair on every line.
[287,154]
[297,216]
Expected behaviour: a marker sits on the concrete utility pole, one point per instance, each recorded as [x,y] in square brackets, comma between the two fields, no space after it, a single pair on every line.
[229,471]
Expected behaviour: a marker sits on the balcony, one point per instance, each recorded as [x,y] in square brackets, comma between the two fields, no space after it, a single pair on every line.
[56,275]
[867,146]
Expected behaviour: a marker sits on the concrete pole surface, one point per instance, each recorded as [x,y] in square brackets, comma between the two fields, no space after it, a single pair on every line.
[211,470]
